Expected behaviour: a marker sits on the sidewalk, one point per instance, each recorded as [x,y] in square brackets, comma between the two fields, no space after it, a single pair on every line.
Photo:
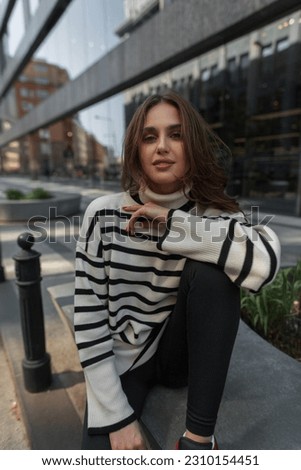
[261,396]
[13,432]
[51,419]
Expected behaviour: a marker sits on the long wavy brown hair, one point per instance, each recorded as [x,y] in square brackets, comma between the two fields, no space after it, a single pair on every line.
[207,154]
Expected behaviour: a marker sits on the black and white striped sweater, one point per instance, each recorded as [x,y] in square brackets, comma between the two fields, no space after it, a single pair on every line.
[126,286]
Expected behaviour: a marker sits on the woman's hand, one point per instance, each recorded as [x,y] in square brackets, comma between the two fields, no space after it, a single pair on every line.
[128,438]
[150,211]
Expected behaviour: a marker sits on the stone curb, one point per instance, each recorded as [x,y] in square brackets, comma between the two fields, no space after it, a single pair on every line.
[23,210]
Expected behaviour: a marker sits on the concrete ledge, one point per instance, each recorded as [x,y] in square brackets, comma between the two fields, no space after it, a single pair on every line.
[260,409]
[59,205]
[62,297]
[261,406]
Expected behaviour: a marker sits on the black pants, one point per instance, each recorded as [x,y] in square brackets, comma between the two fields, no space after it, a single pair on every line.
[195,349]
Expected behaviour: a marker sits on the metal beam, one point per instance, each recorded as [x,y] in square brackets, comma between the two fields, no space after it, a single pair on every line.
[179,33]
[6,11]
[43,21]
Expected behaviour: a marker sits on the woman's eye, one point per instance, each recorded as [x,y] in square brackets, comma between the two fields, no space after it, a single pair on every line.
[176,135]
[149,138]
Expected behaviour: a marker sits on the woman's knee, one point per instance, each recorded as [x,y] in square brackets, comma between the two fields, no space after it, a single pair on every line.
[208,276]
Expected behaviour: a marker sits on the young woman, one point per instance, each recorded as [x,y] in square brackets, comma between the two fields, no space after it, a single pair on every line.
[158,273]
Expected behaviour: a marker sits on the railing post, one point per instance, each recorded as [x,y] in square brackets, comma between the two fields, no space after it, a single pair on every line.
[36,364]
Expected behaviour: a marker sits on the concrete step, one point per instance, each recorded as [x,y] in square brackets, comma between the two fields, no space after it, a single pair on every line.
[260,409]
[261,403]
[62,298]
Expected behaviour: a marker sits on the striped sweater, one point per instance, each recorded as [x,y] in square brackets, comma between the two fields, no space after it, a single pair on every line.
[126,285]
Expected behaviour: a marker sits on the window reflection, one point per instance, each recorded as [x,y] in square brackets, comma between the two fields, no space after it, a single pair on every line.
[88,144]
[15,28]
[250,93]
[33,6]
[38,80]
[84,34]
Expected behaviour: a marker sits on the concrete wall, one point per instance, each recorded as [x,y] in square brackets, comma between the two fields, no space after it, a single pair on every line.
[180,32]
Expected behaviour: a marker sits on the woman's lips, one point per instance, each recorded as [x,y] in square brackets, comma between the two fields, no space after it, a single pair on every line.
[162,164]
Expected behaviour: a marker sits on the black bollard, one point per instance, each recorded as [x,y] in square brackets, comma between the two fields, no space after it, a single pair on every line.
[36,364]
[2,273]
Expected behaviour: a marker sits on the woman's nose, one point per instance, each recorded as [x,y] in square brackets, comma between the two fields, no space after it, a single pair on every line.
[162,144]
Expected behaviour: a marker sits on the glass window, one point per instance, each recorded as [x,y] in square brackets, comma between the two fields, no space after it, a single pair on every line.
[44,133]
[244,66]
[26,106]
[41,80]
[42,93]
[244,61]
[205,74]
[24,92]
[40,68]
[231,64]
[15,28]
[267,50]
[45,148]
[84,34]
[282,44]
[33,6]
[214,70]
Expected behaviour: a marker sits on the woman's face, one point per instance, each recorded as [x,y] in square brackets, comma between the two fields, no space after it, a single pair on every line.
[161,150]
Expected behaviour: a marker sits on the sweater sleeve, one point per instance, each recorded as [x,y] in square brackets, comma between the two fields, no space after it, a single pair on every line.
[248,254]
[108,407]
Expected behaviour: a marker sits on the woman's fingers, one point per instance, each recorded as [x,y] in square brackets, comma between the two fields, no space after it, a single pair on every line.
[130,227]
[149,211]
[132,208]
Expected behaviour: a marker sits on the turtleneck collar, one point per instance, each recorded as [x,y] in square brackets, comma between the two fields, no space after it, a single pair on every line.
[171,201]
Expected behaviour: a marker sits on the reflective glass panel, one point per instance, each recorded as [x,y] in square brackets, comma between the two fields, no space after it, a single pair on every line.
[15,28]
[82,36]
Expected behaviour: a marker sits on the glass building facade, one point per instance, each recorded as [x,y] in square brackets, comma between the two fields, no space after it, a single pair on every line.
[249,90]
[83,144]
